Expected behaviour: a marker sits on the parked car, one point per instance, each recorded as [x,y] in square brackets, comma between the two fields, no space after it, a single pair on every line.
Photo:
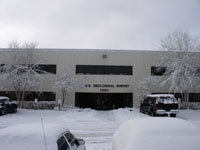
[67,141]
[6,106]
[38,136]
[160,104]
[160,133]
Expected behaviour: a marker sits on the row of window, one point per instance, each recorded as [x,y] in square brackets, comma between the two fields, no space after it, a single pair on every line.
[117,70]
[83,69]
[96,69]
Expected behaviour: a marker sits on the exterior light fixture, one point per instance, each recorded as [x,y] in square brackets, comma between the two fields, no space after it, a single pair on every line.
[104,56]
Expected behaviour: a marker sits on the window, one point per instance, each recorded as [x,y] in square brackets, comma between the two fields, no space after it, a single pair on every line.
[41,68]
[103,70]
[70,138]
[146,100]
[158,71]
[194,97]
[46,68]
[198,72]
[62,144]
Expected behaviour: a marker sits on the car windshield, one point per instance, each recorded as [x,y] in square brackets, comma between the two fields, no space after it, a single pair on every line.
[62,144]
[70,138]
[167,100]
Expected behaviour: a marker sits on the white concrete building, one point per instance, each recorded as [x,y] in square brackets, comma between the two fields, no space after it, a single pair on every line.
[104,79]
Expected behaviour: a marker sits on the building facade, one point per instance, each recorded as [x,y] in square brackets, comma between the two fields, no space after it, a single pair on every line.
[103,79]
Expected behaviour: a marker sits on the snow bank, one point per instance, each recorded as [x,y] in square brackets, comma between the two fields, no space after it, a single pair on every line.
[157,133]
[30,136]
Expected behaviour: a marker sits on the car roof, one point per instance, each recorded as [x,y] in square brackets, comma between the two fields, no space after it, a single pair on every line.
[160,95]
[31,136]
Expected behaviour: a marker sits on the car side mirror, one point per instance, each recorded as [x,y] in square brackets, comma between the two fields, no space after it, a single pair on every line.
[80,141]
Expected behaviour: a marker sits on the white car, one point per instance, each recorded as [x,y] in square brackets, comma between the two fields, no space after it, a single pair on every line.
[160,133]
[35,136]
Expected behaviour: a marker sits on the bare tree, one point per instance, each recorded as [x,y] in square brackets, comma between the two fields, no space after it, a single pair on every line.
[181,58]
[22,72]
[146,85]
[64,83]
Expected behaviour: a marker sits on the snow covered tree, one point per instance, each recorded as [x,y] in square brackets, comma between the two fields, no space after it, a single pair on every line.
[64,83]
[21,72]
[181,58]
[146,85]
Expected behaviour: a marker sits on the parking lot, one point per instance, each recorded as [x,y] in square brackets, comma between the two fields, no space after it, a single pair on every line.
[95,127]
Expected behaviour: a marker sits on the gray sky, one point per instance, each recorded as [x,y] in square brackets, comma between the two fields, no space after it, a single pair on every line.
[108,24]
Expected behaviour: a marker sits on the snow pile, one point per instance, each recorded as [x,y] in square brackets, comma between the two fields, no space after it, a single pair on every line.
[157,133]
[30,136]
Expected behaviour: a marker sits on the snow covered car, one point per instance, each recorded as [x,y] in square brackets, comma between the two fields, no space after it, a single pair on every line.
[6,106]
[160,133]
[38,136]
[160,104]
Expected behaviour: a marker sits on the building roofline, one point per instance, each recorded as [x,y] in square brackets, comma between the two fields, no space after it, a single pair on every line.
[85,49]
[103,50]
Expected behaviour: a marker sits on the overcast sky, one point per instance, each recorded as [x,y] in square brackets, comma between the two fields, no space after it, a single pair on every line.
[107,24]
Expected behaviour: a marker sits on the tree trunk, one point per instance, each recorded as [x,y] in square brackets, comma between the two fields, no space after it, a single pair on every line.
[63,96]
[187,97]
[22,98]
[17,93]
[182,97]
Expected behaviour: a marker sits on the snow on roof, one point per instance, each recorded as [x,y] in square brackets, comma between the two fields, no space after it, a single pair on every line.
[160,95]
[157,133]
[30,136]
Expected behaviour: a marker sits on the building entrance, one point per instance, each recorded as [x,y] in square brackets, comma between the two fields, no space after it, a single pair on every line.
[103,101]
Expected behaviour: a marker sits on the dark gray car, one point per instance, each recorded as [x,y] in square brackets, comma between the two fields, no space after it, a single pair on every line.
[6,106]
[160,104]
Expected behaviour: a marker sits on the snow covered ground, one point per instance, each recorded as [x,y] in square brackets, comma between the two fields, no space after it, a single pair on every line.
[95,127]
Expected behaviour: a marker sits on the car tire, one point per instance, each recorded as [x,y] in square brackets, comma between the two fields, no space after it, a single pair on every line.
[151,113]
[141,110]
[14,110]
[173,115]
[2,112]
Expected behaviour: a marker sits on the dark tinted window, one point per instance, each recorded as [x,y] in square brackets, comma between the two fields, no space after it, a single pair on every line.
[62,144]
[104,70]
[158,71]
[70,138]
[47,68]
[41,68]
[146,100]
[194,97]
